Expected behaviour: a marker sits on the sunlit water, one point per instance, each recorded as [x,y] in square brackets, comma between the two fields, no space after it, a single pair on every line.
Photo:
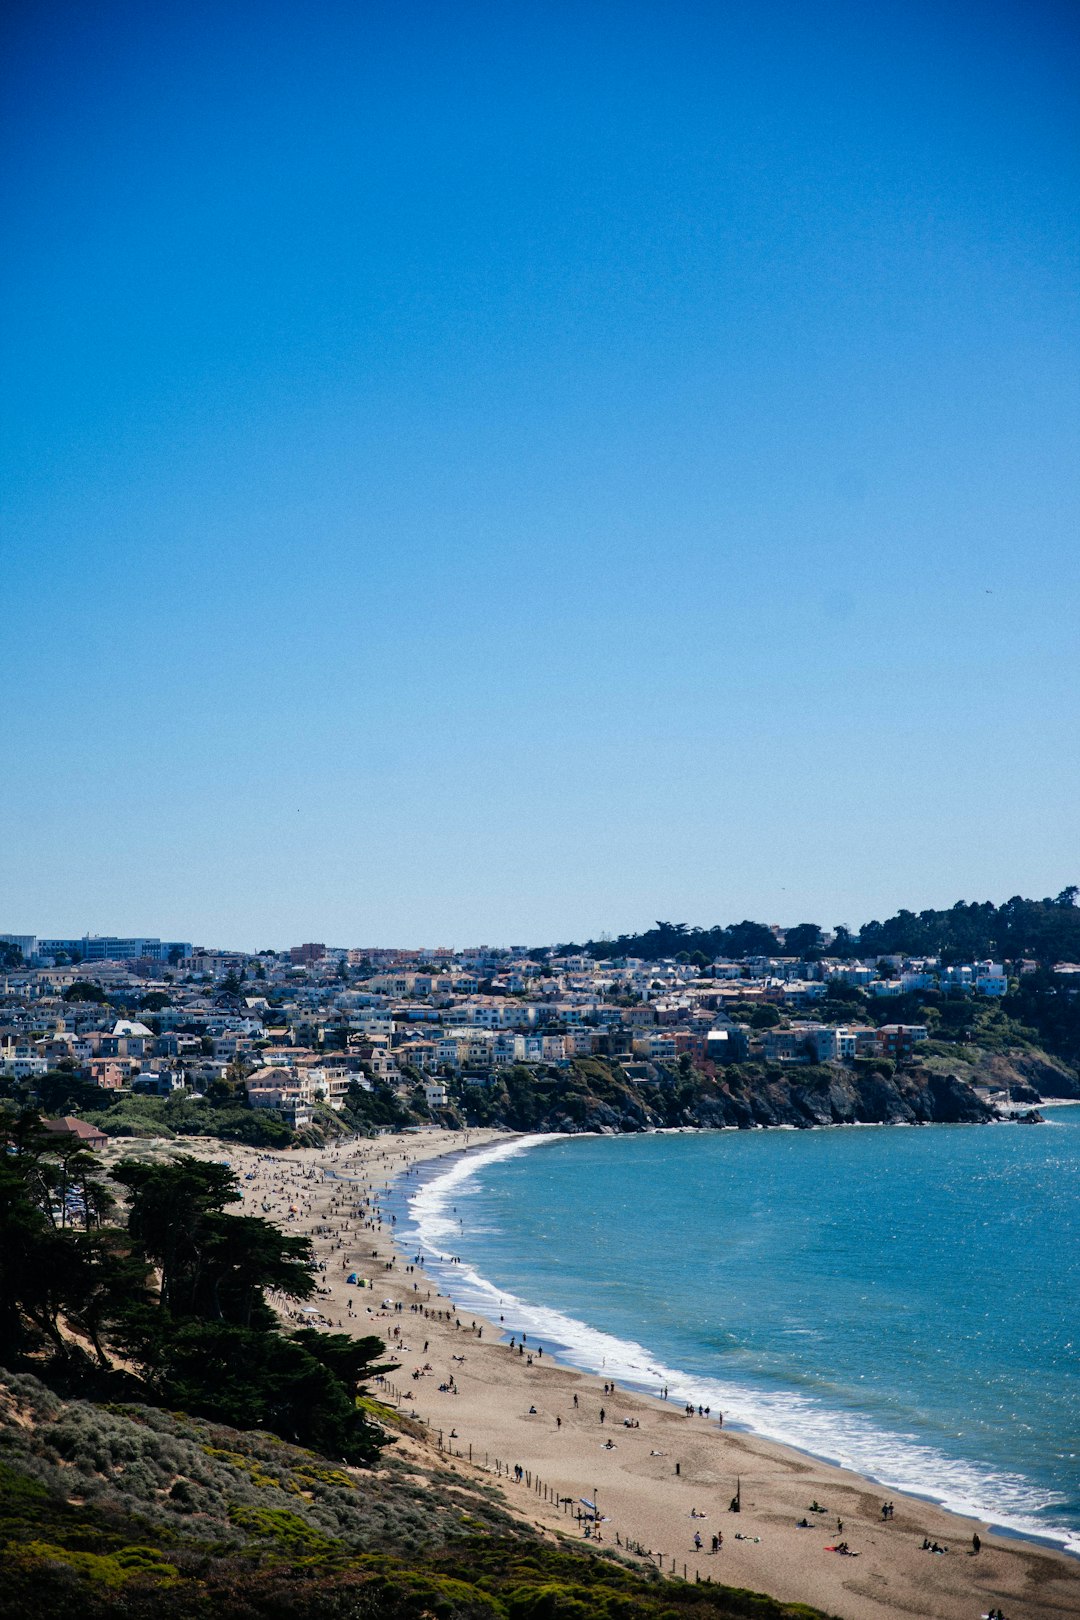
[902,1301]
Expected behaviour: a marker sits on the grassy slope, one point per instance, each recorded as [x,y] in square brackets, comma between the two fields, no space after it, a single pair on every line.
[130,1511]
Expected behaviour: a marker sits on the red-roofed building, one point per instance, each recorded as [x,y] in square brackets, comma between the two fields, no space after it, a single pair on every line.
[81,1129]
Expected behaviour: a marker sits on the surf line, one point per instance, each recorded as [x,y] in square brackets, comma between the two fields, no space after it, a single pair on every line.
[428,1224]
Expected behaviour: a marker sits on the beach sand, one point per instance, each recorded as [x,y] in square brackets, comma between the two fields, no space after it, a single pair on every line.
[658,1473]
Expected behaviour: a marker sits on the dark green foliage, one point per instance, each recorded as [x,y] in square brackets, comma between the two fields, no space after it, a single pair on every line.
[586,1095]
[379,1107]
[1050,1009]
[478,1105]
[51,1274]
[173,1207]
[83,990]
[211,1345]
[213,1266]
[804,941]
[670,939]
[133,1512]
[260,1380]
[205,1340]
[181,1114]
[62,1092]
[1045,930]
[256,1127]
[353,1361]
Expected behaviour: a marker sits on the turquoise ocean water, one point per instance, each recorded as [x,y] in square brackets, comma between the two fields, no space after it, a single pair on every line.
[905,1302]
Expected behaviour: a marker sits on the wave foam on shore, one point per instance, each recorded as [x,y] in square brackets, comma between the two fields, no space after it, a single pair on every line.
[897,1462]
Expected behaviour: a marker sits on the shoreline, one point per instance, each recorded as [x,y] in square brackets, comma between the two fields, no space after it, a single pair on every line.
[658,1476]
[684,1384]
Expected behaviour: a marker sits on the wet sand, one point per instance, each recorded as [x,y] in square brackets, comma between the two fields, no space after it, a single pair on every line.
[666,1476]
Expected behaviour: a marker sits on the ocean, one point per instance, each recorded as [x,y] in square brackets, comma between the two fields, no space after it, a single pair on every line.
[904,1302]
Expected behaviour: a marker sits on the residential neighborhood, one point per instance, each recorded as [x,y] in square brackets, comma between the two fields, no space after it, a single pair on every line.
[300,1030]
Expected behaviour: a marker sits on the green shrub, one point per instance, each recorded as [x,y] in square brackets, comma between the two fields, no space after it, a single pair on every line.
[103,1569]
[552,1602]
[287,1531]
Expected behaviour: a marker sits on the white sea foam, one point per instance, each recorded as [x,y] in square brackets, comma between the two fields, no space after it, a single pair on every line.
[430,1205]
[900,1462]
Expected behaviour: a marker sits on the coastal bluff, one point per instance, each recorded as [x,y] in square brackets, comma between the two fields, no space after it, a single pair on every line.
[600,1096]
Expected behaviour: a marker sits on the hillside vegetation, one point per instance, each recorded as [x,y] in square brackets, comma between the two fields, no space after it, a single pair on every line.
[595,1095]
[167,1450]
[126,1510]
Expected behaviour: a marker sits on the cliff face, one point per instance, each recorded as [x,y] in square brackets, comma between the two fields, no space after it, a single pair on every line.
[912,1097]
[596,1096]
[1030,1076]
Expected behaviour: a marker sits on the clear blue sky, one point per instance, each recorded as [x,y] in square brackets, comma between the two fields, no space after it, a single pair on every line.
[507,472]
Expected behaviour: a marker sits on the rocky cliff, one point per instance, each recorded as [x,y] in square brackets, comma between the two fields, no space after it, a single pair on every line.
[598,1096]
[1027,1075]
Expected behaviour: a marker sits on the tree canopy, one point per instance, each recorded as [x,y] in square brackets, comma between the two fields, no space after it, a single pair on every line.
[83,990]
[1045,931]
[179,1291]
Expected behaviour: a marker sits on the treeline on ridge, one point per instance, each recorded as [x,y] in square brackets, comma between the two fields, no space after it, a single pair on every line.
[1045,931]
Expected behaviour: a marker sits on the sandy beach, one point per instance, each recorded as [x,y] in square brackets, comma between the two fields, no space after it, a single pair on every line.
[660,1478]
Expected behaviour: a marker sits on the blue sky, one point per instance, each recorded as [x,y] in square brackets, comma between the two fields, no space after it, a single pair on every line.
[503,473]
